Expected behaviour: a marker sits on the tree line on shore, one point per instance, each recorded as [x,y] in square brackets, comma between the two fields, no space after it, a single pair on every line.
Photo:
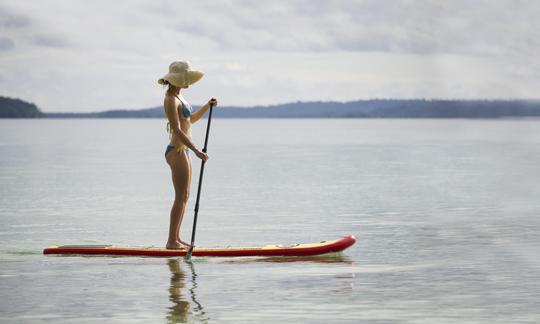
[17,108]
[374,108]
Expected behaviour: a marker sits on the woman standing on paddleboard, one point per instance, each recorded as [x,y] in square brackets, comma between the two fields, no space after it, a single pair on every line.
[180,116]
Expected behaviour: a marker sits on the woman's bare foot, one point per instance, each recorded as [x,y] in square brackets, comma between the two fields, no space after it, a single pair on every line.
[175,246]
[183,243]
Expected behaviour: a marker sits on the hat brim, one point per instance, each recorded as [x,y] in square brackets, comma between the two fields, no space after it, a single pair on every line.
[182,79]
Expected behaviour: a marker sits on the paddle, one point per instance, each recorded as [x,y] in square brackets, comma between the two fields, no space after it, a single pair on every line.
[188,255]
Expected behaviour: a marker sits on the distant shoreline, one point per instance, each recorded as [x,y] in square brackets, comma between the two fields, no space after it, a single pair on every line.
[376,108]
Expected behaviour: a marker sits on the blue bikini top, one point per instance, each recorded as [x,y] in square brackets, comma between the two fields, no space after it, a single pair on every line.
[187,110]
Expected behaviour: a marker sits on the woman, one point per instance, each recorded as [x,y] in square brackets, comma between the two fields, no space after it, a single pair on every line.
[180,116]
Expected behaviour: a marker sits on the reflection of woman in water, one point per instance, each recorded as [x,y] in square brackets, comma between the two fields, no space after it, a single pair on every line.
[180,310]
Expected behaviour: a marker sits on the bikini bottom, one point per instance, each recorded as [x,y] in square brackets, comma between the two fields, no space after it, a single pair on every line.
[170,148]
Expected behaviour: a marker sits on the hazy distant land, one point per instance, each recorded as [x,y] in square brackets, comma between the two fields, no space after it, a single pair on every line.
[376,108]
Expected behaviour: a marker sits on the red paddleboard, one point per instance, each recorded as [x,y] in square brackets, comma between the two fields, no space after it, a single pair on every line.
[268,250]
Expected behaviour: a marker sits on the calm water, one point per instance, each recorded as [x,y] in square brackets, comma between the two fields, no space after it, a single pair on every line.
[446,213]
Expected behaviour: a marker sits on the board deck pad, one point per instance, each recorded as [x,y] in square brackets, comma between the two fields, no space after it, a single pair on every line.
[305,249]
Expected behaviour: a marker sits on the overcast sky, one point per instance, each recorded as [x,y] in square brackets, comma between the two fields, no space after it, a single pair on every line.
[97,55]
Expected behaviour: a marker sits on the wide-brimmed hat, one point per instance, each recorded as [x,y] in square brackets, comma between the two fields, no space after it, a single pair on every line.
[181,75]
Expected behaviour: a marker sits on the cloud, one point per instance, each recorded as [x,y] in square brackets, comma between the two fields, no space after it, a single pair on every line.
[50,41]
[423,27]
[10,20]
[6,44]
[263,52]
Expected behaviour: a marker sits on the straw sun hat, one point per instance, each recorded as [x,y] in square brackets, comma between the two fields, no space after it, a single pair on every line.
[181,75]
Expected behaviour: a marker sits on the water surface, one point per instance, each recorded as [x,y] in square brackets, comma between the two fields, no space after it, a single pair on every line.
[445,211]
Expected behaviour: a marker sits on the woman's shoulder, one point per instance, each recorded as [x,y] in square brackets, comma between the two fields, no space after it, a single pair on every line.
[169,104]
[170,101]
[169,98]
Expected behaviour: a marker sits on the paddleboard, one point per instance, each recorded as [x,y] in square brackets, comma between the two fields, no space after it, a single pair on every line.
[306,249]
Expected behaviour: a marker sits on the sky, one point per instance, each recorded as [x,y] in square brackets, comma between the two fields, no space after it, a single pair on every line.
[83,56]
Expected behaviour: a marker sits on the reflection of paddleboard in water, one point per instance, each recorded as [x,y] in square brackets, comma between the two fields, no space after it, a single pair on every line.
[268,250]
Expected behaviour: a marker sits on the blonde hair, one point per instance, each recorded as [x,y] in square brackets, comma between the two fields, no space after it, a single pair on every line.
[170,86]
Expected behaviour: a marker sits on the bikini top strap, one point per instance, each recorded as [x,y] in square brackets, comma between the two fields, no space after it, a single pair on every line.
[169,130]
[187,110]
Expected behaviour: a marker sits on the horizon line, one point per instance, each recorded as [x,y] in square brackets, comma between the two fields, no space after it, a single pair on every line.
[313,101]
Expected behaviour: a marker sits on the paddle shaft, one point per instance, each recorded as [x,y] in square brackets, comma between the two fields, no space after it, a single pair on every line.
[205,148]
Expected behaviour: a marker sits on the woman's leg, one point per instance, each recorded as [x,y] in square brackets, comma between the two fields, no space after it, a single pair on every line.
[186,196]
[180,177]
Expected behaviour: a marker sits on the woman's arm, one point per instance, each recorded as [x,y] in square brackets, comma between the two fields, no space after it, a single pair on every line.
[174,122]
[199,113]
